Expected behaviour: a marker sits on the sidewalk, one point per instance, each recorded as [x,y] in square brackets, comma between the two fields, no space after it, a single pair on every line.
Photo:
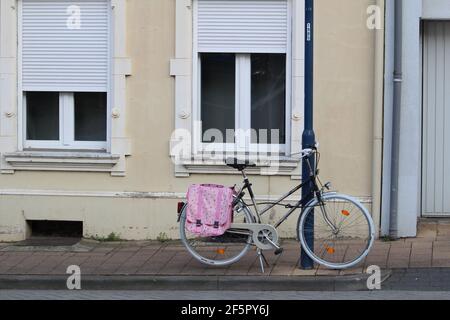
[168,264]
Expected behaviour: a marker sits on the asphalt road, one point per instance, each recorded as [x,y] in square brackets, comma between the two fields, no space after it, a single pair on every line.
[222,295]
[403,284]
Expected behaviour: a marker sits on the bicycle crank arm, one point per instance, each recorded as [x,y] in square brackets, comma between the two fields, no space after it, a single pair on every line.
[265,236]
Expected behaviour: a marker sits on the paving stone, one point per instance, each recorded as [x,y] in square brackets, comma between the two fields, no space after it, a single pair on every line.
[103,250]
[255,269]
[215,271]
[381,245]
[443,230]
[425,245]
[415,258]
[27,264]
[421,252]
[195,268]
[105,269]
[120,257]
[47,265]
[352,271]
[440,256]
[242,266]
[286,263]
[131,266]
[177,264]
[400,244]
[421,264]
[61,269]
[327,272]
[400,251]
[130,250]
[373,261]
[398,263]
[441,262]
[443,238]
[377,255]
[153,266]
[443,243]
[379,251]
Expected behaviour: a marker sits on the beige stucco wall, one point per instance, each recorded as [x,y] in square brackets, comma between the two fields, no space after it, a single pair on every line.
[344,87]
[343,118]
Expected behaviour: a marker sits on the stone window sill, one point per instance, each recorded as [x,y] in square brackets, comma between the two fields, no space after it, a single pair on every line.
[283,166]
[59,161]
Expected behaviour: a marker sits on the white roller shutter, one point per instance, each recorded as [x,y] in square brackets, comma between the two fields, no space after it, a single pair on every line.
[56,57]
[242,26]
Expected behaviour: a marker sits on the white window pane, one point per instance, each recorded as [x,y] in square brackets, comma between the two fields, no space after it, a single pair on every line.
[269,97]
[218,81]
[42,116]
[90,116]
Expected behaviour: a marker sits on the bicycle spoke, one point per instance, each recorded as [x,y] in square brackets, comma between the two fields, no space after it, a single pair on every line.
[346,244]
[221,250]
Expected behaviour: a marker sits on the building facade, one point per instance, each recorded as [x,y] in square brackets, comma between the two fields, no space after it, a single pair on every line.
[416,126]
[99,99]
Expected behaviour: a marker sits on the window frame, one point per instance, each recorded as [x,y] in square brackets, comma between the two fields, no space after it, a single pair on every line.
[243,93]
[61,145]
[242,111]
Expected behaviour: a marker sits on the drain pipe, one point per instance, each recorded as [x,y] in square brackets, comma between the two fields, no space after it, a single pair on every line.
[398,78]
[377,163]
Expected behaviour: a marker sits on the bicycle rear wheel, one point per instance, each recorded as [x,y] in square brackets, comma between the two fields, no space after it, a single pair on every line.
[341,228]
[219,251]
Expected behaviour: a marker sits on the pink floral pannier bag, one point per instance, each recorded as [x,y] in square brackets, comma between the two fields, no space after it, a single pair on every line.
[209,209]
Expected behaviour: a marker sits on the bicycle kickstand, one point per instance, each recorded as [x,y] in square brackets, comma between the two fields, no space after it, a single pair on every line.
[262,260]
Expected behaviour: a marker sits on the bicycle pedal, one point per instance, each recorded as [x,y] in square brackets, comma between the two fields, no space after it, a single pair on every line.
[279,251]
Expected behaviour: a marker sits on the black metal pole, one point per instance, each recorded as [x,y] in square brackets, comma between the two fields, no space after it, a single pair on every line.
[308,139]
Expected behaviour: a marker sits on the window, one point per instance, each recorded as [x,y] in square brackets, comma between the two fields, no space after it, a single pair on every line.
[54,49]
[65,120]
[264,103]
[242,73]
[65,74]
[238,64]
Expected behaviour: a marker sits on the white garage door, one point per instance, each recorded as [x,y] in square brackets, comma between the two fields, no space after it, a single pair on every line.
[436,119]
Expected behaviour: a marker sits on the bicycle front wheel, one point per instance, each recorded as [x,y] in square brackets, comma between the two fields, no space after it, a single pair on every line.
[339,230]
[223,250]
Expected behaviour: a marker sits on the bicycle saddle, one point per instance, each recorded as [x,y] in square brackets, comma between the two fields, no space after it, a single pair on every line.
[239,164]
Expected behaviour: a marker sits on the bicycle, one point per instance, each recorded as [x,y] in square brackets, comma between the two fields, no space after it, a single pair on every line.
[338,235]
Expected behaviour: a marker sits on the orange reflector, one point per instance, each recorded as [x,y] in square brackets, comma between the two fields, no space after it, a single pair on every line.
[331,250]
[221,251]
[345,213]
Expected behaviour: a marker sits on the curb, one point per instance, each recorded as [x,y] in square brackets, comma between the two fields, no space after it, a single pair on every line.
[196,283]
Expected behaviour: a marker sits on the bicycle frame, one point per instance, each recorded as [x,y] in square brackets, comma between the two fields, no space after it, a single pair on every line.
[299,205]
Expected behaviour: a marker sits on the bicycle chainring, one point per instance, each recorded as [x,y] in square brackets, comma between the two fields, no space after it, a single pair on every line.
[261,236]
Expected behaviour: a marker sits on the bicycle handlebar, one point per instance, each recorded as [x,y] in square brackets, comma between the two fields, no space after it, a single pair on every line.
[307,152]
